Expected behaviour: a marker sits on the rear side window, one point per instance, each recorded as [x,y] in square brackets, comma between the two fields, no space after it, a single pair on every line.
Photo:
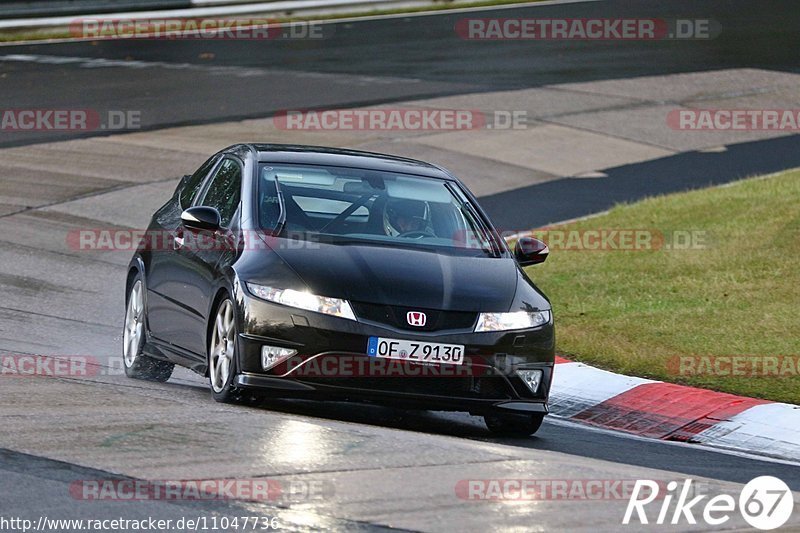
[225,190]
[193,183]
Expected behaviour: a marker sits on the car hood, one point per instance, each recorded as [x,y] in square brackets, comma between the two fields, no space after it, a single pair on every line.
[405,277]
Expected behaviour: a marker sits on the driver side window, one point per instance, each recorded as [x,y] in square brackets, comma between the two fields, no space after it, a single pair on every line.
[225,190]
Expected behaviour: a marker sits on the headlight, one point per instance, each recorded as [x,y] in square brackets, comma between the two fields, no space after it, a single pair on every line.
[304,300]
[508,321]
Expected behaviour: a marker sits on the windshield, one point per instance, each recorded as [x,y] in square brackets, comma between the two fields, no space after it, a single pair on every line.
[343,205]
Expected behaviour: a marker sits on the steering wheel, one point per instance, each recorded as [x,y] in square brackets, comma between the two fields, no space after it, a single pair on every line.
[417,234]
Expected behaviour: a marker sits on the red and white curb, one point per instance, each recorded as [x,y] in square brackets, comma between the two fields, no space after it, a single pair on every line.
[674,412]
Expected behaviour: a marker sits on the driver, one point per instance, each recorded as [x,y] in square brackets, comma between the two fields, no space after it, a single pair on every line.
[404,216]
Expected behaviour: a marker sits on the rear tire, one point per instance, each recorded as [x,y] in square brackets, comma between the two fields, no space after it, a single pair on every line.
[223,354]
[513,425]
[137,365]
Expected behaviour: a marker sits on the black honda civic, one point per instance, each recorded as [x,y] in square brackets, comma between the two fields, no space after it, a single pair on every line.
[320,273]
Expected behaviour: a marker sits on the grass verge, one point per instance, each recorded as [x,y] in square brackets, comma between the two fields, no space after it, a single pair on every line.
[680,315]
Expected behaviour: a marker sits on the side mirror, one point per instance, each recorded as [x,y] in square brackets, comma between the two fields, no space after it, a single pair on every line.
[201,217]
[530,251]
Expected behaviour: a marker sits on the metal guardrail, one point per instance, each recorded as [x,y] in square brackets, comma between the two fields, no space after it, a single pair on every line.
[212,8]
[42,8]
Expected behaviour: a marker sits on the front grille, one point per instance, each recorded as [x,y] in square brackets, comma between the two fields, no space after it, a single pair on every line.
[395,316]
[494,388]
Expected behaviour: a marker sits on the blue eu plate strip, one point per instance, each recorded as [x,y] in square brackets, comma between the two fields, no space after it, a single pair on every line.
[372,346]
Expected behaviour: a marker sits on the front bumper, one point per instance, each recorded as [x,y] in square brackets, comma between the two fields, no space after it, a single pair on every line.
[332,363]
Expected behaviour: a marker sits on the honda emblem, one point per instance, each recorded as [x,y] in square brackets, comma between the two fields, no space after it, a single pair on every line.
[416,318]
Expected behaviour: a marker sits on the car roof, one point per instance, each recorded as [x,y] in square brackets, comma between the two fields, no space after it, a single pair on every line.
[322,155]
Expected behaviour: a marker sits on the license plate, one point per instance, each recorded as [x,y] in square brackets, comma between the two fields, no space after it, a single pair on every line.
[415,351]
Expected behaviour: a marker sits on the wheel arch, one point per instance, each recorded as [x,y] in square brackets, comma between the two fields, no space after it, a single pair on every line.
[135,268]
[219,295]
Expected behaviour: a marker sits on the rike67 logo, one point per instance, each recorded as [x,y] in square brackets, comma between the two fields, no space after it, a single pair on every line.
[765,503]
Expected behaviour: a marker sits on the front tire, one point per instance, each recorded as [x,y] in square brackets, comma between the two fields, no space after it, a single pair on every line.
[513,425]
[222,354]
[137,365]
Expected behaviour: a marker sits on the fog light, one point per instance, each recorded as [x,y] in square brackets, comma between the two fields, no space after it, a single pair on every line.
[273,355]
[531,378]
